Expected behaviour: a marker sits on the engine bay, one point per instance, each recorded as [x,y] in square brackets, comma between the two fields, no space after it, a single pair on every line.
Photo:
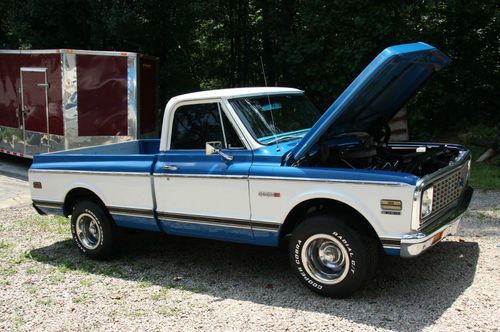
[359,150]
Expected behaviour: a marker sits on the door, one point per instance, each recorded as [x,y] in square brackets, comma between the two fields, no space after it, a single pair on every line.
[198,194]
[34,109]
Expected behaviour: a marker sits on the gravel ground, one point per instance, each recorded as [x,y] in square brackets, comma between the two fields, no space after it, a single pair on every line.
[166,283]
[13,192]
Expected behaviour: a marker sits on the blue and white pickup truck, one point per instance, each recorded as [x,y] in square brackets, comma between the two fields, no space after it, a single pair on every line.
[263,166]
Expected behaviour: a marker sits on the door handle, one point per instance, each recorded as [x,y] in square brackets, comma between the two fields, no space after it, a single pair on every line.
[169,167]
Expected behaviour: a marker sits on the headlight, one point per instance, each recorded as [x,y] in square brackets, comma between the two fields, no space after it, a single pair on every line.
[426,207]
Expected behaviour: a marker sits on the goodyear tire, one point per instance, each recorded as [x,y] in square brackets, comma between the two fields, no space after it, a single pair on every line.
[92,230]
[331,258]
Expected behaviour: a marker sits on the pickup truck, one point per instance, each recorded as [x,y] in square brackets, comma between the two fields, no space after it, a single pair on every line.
[263,166]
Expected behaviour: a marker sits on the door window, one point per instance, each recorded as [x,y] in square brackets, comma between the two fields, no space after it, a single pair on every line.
[194,125]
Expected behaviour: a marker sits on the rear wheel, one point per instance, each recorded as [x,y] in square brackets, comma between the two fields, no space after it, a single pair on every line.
[92,230]
[331,258]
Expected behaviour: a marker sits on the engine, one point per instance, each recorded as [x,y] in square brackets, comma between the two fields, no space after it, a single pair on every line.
[362,151]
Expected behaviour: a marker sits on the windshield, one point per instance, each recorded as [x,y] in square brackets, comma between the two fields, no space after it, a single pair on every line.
[293,116]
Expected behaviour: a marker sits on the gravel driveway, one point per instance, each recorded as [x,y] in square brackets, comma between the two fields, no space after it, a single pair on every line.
[167,283]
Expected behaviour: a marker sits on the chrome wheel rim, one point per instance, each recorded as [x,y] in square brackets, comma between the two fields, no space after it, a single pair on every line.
[325,259]
[88,231]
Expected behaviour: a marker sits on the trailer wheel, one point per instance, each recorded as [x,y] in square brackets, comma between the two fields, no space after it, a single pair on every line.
[331,258]
[92,230]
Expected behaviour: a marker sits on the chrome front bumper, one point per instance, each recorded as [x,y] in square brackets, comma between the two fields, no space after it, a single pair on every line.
[414,244]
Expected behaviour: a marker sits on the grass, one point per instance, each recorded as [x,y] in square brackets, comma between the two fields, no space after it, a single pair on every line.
[485,176]
[144,283]
[7,271]
[86,282]
[64,267]
[134,313]
[55,278]
[80,299]
[157,296]
[4,245]
[112,271]
[18,321]
[168,310]
[45,301]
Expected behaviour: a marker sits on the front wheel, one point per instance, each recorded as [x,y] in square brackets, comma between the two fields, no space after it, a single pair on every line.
[331,258]
[92,230]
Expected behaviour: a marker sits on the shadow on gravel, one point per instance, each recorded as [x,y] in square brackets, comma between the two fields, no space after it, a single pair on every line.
[406,294]
[14,167]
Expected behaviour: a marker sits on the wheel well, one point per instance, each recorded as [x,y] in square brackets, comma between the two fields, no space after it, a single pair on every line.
[327,206]
[79,194]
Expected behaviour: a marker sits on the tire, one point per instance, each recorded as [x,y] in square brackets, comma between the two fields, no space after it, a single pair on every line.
[331,258]
[92,230]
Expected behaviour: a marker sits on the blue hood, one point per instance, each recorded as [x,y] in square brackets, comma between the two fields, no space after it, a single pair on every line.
[377,94]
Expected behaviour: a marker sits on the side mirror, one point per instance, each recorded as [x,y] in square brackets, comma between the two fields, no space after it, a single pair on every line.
[212,147]
[216,148]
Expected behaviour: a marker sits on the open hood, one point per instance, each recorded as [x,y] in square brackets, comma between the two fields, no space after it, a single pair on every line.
[377,94]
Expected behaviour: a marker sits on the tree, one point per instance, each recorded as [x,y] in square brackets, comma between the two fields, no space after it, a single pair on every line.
[317,45]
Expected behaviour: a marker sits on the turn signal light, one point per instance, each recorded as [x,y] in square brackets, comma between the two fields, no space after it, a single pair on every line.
[37,185]
[437,237]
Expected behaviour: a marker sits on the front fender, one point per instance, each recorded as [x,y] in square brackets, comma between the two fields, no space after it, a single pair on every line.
[365,198]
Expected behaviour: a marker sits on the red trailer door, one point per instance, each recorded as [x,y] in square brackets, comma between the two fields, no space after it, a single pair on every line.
[34,102]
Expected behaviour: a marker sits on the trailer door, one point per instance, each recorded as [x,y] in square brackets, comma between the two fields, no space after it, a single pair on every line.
[35,111]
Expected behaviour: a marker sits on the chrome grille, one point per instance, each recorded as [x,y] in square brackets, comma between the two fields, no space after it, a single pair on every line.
[448,189]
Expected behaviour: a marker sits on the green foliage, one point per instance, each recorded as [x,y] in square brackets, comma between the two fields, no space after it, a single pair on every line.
[316,45]
[485,176]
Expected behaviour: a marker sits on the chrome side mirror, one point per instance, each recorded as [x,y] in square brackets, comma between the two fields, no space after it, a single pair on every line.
[216,148]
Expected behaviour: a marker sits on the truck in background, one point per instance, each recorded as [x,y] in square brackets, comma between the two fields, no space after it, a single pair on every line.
[55,100]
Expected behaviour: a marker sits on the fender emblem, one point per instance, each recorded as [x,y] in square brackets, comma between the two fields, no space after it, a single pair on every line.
[269,194]
[391,206]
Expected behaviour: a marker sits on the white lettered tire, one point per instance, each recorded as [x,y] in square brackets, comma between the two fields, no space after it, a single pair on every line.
[92,230]
[330,257]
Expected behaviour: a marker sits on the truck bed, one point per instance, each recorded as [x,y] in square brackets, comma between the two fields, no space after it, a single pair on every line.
[110,171]
[142,146]
[133,156]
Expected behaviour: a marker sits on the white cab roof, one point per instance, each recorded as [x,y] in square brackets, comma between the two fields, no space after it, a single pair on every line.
[233,93]
[223,94]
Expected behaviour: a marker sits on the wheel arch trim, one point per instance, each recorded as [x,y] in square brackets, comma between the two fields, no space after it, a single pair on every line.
[83,190]
[310,199]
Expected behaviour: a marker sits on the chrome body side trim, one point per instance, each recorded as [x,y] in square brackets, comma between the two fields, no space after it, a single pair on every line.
[218,221]
[391,243]
[48,204]
[145,213]
[199,222]
[61,171]
[211,176]
[280,178]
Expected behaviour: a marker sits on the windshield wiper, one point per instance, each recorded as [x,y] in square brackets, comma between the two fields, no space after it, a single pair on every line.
[284,138]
